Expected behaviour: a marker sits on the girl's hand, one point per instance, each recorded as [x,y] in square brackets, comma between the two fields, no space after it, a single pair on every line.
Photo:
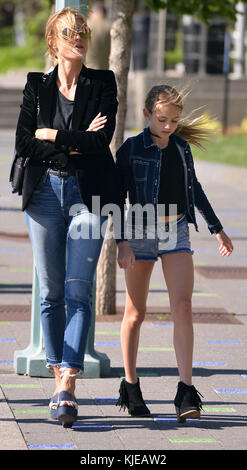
[97,123]
[226,246]
[46,134]
[126,257]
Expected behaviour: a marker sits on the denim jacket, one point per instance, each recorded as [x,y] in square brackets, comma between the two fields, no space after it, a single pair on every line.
[138,163]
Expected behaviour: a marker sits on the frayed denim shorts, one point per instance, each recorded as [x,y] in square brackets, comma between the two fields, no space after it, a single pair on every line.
[167,238]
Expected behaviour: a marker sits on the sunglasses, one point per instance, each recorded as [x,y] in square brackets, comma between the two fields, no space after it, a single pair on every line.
[84,32]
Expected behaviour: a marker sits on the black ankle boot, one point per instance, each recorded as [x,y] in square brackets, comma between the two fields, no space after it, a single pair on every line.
[187,402]
[131,398]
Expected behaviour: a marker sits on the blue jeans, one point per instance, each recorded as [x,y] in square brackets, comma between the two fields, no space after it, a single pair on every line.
[66,252]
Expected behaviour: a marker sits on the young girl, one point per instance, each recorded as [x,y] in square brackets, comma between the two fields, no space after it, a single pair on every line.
[156,168]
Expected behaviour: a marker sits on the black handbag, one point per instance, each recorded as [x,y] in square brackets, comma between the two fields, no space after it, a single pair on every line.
[17,173]
[19,164]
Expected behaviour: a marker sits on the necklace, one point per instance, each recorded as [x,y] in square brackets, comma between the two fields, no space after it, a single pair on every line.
[67,84]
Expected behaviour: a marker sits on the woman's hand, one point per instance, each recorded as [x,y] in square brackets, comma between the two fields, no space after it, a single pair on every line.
[126,257]
[226,246]
[50,134]
[46,134]
[97,123]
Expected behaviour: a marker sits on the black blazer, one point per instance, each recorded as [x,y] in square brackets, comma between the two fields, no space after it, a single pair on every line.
[96,91]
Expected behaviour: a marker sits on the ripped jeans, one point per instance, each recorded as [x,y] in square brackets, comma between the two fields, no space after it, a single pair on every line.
[66,255]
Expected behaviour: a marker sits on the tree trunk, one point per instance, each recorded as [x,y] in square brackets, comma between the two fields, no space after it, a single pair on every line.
[119,62]
[121,33]
[239,43]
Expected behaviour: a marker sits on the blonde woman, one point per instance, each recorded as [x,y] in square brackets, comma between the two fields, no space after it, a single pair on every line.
[156,168]
[65,126]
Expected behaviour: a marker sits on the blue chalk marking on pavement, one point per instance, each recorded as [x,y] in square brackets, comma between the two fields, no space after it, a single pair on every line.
[105,399]
[229,213]
[12,250]
[155,323]
[244,288]
[231,390]
[244,376]
[206,363]
[204,250]
[107,343]
[51,446]
[165,419]
[174,419]
[7,339]
[6,362]
[222,342]
[12,209]
[90,426]
[234,232]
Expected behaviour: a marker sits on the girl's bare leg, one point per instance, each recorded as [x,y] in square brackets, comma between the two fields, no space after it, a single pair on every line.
[137,285]
[179,276]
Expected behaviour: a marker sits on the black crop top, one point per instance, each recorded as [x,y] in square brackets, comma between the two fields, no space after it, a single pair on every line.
[171,187]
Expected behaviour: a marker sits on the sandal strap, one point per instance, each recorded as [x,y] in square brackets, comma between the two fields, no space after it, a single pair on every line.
[66,371]
[67,397]
[68,403]
[69,375]
[53,401]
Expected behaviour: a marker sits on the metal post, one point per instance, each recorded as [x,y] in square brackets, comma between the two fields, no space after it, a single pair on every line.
[32,361]
[78,4]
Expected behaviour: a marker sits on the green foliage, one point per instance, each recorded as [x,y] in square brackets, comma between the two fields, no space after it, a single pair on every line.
[32,53]
[176,55]
[203,9]
[6,36]
[25,57]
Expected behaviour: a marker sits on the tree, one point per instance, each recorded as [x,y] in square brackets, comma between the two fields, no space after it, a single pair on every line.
[119,63]
[203,9]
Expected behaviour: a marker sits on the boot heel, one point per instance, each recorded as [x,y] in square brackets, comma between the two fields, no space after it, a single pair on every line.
[191,414]
[181,419]
[187,403]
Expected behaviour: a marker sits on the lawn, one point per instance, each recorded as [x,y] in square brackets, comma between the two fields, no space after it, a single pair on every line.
[230,149]
[13,58]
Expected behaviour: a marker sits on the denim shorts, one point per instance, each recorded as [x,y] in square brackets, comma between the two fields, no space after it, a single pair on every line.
[168,237]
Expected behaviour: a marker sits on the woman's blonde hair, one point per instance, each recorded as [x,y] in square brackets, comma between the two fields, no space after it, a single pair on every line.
[193,129]
[67,17]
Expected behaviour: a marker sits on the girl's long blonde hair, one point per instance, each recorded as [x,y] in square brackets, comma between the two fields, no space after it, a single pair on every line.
[67,17]
[191,128]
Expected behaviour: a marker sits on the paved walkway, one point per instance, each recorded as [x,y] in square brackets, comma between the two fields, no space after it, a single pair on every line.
[220,355]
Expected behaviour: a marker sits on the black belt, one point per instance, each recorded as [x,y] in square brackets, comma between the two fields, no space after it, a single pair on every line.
[62,173]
